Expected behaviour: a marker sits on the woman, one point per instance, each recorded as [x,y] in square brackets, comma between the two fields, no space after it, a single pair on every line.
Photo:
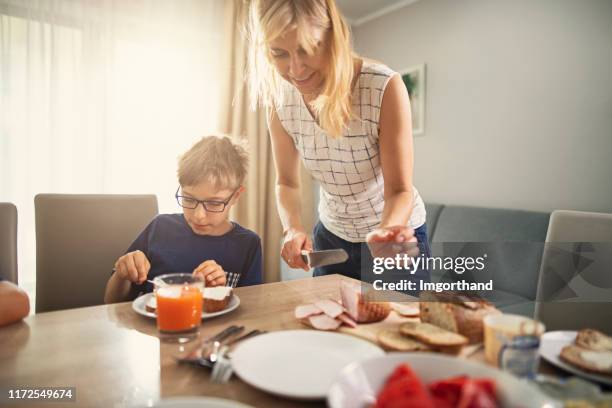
[348,119]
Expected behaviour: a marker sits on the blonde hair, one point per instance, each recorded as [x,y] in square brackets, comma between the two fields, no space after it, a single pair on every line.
[219,160]
[270,19]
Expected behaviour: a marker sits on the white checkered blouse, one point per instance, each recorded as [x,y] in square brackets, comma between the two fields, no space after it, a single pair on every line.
[347,168]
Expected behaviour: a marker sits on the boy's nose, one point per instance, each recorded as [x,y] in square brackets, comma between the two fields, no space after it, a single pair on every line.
[200,211]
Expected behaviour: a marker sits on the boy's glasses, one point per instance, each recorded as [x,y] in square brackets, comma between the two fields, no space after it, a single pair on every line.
[209,205]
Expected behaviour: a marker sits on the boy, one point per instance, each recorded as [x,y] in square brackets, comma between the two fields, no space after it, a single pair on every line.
[201,240]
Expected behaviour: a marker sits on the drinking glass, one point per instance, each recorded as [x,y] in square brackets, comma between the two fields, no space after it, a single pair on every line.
[179,306]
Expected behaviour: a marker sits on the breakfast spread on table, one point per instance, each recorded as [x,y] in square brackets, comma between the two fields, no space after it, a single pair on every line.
[403,388]
[591,351]
[441,322]
[214,299]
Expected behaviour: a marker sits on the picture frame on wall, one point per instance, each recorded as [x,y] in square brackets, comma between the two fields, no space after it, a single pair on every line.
[414,80]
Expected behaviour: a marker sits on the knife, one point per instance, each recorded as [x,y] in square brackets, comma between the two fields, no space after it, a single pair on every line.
[325,257]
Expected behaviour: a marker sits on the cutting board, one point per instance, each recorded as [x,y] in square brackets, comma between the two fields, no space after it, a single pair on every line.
[369,331]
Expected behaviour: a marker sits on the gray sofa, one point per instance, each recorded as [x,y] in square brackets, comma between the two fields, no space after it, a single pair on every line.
[512,239]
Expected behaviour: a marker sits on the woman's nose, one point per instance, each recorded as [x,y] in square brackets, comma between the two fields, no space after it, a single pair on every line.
[296,66]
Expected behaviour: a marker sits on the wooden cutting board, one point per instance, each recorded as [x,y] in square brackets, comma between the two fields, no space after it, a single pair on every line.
[369,331]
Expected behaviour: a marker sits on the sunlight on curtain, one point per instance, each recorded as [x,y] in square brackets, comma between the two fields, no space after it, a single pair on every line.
[101,97]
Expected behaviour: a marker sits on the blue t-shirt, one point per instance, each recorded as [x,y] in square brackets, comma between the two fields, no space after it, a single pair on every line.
[171,246]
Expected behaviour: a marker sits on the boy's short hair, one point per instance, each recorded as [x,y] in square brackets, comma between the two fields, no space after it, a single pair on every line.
[217,159]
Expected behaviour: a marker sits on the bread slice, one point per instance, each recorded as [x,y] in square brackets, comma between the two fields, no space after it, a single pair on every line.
[593,340]
[432,335]
[456,312]
[406,309]
[151,305]
[393,340]
[216,299]
[599,362]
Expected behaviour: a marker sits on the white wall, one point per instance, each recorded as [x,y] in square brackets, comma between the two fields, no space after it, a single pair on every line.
[519,99]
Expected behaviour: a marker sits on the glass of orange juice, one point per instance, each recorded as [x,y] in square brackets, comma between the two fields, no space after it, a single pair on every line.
[179,306]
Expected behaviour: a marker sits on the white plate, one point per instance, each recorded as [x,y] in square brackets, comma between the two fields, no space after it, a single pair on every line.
[550,349]
[197,402]
[298,364]
[139,307]
[359,384]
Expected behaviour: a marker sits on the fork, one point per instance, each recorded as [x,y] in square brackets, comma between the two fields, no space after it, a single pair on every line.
[222,370]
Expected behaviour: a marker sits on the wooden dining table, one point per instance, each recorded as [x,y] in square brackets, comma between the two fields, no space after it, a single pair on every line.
[113,357]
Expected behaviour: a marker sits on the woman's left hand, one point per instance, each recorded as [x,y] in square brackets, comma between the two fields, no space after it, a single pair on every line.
[389,241]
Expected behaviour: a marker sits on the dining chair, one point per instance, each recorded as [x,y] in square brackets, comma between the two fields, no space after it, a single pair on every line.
[575,287]
[78,239]
[8,242]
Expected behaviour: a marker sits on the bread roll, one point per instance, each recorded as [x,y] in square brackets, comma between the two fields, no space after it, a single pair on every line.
[456,313]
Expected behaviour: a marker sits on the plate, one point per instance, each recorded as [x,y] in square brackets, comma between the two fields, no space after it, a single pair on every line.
[359,383]
[139,307]
[197,402]
[550,348]
[299,364]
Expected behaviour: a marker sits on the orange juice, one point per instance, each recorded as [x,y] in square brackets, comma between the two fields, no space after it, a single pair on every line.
[179,308]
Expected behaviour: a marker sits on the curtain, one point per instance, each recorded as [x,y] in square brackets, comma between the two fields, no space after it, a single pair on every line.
[257,208]
[102,97]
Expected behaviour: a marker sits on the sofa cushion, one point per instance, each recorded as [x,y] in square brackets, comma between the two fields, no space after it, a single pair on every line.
[433,213]
[475,224]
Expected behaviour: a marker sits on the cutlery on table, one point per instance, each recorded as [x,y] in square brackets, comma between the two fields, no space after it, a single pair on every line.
[222,369]
[216,352]
[204,347]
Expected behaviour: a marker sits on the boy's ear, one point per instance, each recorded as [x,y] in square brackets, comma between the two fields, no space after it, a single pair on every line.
[239,192]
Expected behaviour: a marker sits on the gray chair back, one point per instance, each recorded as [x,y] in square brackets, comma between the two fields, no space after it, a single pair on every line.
[512,240]
[78,239]
[575,288]
[8,242]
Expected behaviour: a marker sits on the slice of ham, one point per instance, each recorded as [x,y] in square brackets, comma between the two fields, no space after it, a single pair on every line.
[304,311]
[350,298]
[323,322]
[348,320]
[359,308]
[330,307]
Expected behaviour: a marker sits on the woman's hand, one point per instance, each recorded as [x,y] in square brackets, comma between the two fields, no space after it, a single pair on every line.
[295,241]
[211,273]
[390,241]
[133,266]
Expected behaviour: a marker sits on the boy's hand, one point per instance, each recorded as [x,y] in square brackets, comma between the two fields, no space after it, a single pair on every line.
[293,243]
[211,272]
[133,266]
